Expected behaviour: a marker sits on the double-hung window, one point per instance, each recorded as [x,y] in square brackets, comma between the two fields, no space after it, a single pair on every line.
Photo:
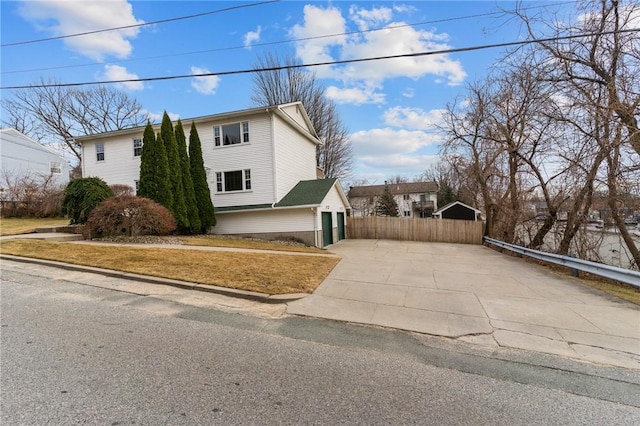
[55,168]
[231,134]
[232,181]
[99,152]
[137,147]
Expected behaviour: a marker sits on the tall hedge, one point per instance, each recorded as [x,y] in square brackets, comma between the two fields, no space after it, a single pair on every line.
[193,215]
[154,169]
[199,178]
[83,195]
[178,208]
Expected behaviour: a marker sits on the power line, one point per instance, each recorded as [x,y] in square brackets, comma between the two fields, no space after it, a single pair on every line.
[161,21]
[391,27]
[318,64]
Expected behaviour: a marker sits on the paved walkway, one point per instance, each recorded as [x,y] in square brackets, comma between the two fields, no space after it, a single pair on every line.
[475,294]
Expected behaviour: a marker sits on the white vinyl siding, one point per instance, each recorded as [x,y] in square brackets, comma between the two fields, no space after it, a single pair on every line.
[255,156]
[295,157]
[333,203]
[21,156]
[120,165]
[265,221]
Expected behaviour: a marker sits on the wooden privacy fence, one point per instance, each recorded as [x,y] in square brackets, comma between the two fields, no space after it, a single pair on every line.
[415,229]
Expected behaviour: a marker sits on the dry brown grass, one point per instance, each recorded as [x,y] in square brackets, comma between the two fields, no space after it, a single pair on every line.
[16,226]
[225,241]
[264,273]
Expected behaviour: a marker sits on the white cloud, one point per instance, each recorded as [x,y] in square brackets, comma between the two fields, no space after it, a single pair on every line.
[413,118]
[116,72]
[355,95]
[66,17]
[408,92]
[387,141]
[319,22]
[156,117]
[205,85]
[400,40]
[368,18]
[252,37]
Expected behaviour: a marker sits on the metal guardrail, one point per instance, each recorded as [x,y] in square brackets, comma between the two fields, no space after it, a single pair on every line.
[626,276]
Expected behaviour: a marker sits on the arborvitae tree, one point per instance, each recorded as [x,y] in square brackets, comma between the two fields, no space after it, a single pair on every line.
[200,185]
[163,195]
[187,183]
[148,184]
[178,207]
[387,205]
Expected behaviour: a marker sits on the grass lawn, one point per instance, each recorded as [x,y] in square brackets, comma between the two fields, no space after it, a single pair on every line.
[261,272]
[14,226]
[223,241]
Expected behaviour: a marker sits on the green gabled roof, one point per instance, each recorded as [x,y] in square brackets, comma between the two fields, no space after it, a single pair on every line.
[307,192]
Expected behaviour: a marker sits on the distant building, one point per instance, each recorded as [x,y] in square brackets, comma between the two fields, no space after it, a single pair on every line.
[24,158]
[458,211]
[414,199]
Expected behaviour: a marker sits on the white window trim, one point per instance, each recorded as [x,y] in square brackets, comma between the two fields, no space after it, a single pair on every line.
[104,157]
[134,147]
[55,168]
[241,124]
[246,177]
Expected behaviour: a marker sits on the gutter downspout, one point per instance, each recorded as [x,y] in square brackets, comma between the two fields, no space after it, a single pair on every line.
[273,156]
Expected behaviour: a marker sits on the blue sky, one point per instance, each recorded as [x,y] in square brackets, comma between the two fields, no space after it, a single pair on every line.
[390,107]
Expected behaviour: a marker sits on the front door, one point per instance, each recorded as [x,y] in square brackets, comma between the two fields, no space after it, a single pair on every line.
[327,229]
[341,234]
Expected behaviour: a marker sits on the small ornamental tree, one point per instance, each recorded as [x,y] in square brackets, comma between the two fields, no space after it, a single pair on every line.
[129,215]
[187,183]
[199,178]
[386,205]
[178,207]
[82,195]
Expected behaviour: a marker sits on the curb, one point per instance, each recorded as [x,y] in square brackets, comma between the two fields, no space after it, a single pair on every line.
[231,292]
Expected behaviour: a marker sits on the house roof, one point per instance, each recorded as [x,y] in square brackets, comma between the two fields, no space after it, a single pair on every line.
[305,193]
[448,206]
[10,135]
[279,110]
[394,188]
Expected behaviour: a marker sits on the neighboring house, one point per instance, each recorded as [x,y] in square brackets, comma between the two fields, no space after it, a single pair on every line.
[261,169]
[458,211]
[414,199]
[23,158]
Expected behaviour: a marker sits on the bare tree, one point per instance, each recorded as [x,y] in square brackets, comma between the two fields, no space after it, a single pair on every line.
[53,114]
[600,76]
[283,84]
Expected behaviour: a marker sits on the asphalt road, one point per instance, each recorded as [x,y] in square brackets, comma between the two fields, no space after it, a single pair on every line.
[75,354]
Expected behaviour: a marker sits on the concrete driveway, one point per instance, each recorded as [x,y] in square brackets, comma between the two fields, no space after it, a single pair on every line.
[477,295]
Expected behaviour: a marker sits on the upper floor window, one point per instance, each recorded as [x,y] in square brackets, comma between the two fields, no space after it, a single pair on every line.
[236,180]
[55,168]
[99,152]
[137,147]
[231,134]
[406,197]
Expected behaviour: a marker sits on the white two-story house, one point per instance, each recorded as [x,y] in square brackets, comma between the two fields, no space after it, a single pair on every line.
[261,170]
[414,199]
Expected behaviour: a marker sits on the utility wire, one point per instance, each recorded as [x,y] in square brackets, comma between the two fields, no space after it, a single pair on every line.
[317,64]
[161,21]
[391,27]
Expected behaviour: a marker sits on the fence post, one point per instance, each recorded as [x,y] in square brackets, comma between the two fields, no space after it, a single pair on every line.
[574,272]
